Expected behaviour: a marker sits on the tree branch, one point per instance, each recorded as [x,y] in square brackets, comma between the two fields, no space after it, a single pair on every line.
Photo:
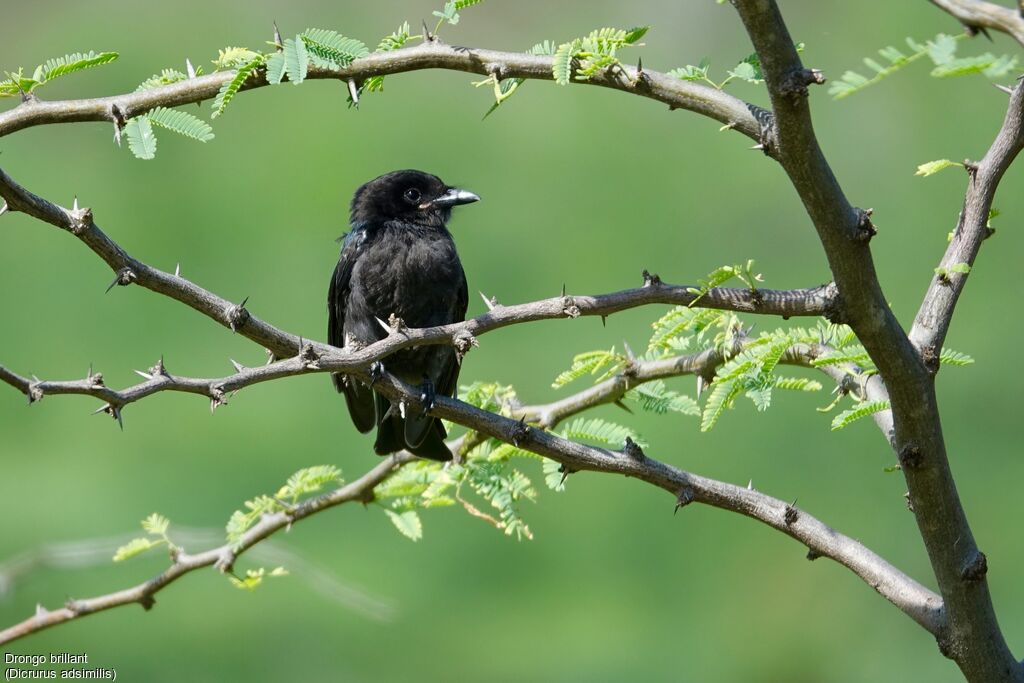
[972,636]
[974,13]
[815,301]
[915,600]
[677,93]
[936,312]
[222,557]
[921,604]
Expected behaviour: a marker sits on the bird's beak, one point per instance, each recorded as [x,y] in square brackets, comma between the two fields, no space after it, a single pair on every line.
[454,197]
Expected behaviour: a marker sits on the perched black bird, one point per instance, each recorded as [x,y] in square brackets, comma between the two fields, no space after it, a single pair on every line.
[400,259]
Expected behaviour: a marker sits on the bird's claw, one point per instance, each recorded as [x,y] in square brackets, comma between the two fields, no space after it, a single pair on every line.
[376,372]
[428,397]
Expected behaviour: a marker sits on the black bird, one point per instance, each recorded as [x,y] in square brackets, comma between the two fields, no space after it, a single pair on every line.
[399,259]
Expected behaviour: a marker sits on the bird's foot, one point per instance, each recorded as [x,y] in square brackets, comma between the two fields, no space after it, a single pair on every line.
[376,372]
[428,396]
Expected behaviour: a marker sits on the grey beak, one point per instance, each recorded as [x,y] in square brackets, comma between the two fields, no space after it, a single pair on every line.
[454,197]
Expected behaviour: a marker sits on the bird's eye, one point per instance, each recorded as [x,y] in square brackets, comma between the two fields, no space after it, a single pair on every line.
[412,195]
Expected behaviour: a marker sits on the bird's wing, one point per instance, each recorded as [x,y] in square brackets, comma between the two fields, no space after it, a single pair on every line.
[447,383]
[358,396]
[424,433]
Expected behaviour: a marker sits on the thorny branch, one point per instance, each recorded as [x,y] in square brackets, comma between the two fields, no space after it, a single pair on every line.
[962,620]
[915,600]
[433,54]
[527,426]
[971,635]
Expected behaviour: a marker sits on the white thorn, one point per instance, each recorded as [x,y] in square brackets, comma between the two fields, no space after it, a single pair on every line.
[387,328]
[353,92]
[700,386]
[488,302]
[750,485]
[177,270]
[238,366]
[140,373]
[74,207]
[4,209]
[401,408]
[190,69]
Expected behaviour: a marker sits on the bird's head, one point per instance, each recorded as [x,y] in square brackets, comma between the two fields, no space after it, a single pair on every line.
[409,196]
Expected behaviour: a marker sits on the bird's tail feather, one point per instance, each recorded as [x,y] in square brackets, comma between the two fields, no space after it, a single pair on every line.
[392,434]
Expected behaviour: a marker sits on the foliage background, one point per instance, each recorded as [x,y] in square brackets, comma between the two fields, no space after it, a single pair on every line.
[581,186]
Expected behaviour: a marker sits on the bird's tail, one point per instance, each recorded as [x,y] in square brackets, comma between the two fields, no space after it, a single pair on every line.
[392,431]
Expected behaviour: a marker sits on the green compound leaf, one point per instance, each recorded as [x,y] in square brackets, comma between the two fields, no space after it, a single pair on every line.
[69,64]
[296,59]
[231,88]
[181,123]
[951,357]
[602,431]
[156,524]
[408,523]
[275,68]
[861,411]
[141,140]
[331,47]
[136,546]
[932,167]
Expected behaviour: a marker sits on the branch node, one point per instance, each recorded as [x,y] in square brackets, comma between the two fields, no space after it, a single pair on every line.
[237,315]
[910,504]
[125,276]
[866,229]
[159,370]
[463,341]
[976,568]
[521,432]
[570,308]
[930,358]
[632,450]
[834,305]
[396,324]
[795,83]
[309,356]
[217,397]
[910,457]
[791,514]
[147,601]
[491,303]
[684,498]
[812,554]
[651,279]
[34,392]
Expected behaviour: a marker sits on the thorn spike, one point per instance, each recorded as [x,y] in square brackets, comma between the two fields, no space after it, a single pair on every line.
[488,302]
[4,208]
[189,69]
[353,92]
[384,325]
[74,207]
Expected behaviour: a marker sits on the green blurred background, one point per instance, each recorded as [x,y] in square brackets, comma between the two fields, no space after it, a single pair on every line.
[581,186]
